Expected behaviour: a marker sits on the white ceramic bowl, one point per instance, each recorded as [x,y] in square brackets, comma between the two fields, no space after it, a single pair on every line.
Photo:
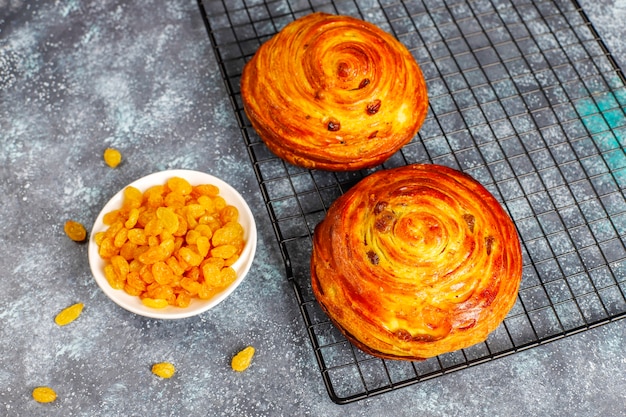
[197,306]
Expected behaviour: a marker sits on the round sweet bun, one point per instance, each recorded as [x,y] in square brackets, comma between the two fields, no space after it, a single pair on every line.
[416,261]
[334,93]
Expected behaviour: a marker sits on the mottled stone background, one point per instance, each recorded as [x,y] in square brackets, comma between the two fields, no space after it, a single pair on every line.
[79,76]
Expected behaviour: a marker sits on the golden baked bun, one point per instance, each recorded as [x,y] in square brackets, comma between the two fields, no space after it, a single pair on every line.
[416,261]
[334,93]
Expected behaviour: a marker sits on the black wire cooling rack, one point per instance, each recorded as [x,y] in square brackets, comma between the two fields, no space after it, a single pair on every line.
[525,98]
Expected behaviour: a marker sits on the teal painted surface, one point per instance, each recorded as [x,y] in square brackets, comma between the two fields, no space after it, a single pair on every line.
[604,118]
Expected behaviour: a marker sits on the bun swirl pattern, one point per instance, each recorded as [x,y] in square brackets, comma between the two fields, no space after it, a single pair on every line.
[416,261]
[334,92]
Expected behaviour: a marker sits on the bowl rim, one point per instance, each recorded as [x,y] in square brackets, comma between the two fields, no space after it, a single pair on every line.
[197,306]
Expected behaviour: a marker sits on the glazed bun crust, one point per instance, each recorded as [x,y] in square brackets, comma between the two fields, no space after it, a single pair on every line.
[416,261]
[334,93]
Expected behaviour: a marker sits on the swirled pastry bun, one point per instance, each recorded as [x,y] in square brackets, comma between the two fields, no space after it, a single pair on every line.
[416,261]
[334,93]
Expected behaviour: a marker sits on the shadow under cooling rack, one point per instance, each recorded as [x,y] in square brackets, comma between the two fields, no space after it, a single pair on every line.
[523,97]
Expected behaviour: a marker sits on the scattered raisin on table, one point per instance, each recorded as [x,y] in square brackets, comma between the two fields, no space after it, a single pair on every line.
[112,157]
[44,395]
[241,361]
[163,369]
[75,231]
[69,314]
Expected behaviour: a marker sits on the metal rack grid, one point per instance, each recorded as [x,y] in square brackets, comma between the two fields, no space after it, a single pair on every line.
[525,98]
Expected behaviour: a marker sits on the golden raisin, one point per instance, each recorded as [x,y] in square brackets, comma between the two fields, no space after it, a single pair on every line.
[99,237]
[211,274]
[153,254]
[204,230]
[219,203]
[114,280]
[127,251]
[189,256]
[206,291]
[183,299]
[229,214]
[69,314]
[163,369]
[133,216]
[174,199]
[207,203]
[154,302]
[203,244]
[112,157]
[107,248]
[120,266]
[168,218]
[44,395]
[146,274]
[191,286]
[192,237]
[75,231]
[114,228]
[137,236]
[219,262]
[132,198]
[111,217]
[133,280]
[154,227]
[230,234]
[231,261]
[207,189]
[153,241]
[130,290]
[162,273]
[161,292]
[241,361]
[175,266]
[154,196]
[179,185]
[182,226]
[120,237]
[227,276]
[224,251]
[168,245]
